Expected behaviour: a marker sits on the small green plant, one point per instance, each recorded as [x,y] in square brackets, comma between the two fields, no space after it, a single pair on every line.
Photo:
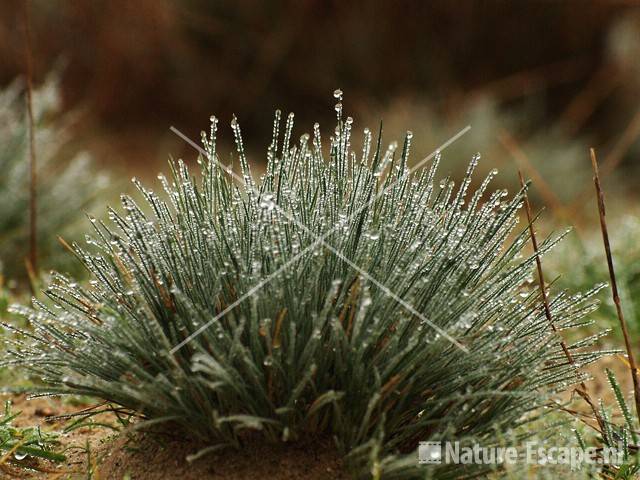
[65,185]
[340,295]
[18,444]
[616,444]
[623,436]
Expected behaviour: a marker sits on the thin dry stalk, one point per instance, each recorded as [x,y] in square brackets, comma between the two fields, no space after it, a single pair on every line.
[614,285]
[33,232]
[582,389]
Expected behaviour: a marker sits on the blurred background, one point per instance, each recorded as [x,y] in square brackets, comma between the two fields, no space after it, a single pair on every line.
[541,79]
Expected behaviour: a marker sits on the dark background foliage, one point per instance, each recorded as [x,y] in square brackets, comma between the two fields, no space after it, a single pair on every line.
[138,67]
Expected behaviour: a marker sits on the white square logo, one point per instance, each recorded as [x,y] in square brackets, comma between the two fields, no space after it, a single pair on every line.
[430,453]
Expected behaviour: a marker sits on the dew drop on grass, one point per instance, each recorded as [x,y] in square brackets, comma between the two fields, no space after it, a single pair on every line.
[209,242]
[267,203]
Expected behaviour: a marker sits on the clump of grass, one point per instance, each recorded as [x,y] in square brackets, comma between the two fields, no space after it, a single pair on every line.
[216,307]
[65,185]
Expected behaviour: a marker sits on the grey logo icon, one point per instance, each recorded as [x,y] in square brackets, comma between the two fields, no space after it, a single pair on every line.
[430,453]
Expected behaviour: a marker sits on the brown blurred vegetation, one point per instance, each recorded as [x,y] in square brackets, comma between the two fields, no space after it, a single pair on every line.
[137,67]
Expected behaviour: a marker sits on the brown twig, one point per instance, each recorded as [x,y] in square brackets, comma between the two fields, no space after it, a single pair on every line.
[582,388]
[33,233]
[614,285]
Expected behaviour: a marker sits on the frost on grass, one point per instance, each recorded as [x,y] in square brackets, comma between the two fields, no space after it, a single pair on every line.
[214,306]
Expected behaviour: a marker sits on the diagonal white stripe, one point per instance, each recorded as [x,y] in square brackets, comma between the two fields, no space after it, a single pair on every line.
[320,239]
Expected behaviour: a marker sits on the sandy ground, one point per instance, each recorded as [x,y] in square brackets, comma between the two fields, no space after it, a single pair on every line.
[156,458]
[100,453]
[77,444]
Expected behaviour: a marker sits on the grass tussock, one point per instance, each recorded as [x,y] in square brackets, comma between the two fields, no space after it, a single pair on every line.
[340,294]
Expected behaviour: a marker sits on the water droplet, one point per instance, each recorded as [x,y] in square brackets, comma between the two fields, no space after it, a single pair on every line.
[267,203]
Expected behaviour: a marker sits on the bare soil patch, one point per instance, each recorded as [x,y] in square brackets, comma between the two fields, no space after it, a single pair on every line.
[152,457]
[100,453]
